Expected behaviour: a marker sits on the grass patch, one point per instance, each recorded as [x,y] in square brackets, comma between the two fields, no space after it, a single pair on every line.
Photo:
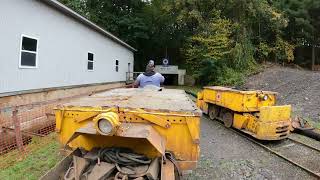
[41,155]
[313,123]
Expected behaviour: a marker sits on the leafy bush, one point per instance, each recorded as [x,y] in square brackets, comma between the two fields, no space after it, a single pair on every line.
[284,50]
[215,72]
[230,77]
[213,56]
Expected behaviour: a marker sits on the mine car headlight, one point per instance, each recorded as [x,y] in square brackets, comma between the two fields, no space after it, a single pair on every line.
[105,126]
[107,123]
[263,97]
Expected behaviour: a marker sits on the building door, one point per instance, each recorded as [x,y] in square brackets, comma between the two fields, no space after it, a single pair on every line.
[129,74]
[129,67]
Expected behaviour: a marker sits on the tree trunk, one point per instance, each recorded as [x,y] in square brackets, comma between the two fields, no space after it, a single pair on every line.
[313,57]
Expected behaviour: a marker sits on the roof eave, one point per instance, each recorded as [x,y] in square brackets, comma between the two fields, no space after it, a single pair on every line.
[64,9]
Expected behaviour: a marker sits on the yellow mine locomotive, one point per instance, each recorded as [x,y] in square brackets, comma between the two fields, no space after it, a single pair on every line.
[253,112]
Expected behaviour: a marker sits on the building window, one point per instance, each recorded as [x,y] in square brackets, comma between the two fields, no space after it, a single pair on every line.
[117,65]
[90,61]
[29,52]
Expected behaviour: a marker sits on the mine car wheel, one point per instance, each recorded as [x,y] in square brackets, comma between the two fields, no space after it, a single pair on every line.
[213,112]
[227,119]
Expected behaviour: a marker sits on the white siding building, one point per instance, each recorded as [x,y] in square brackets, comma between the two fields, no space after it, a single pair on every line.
[44,44]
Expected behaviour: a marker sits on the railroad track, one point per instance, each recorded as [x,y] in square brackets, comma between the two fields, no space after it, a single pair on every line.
[291,151]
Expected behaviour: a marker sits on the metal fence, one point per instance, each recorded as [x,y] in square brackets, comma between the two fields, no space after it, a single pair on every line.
[19,124]
[24,116]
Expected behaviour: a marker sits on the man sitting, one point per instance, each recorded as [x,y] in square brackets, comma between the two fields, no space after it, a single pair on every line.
[150,77]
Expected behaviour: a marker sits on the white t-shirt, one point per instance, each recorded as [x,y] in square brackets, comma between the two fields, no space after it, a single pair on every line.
[155,80]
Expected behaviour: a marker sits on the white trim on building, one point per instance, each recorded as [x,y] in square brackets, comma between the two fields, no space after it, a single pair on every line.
[91,69]
[27,51]
[83,20]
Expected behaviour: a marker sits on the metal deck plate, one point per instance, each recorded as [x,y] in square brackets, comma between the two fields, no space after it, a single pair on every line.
[138,98]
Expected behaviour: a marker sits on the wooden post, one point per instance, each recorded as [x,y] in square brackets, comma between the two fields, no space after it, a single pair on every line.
[313,58]
[17,129]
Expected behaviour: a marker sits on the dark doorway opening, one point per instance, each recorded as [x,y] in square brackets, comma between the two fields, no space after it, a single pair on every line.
[170,79]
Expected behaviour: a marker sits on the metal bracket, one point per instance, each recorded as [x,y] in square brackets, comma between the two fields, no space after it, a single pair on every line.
[193,125]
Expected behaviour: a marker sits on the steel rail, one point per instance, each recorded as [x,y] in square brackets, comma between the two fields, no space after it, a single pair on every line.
[306,145]
[313,173]
[316,174]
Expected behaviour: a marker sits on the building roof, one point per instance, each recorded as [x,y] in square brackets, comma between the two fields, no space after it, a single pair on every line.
[67,11]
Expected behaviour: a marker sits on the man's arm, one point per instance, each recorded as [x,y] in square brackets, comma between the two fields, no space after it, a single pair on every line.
[161,78]
[137,82]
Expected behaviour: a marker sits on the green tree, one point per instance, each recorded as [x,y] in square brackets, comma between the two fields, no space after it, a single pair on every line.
[212,42]
[303,29]
[228,35]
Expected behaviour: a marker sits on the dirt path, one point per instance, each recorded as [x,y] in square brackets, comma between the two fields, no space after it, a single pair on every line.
[226,155]
[297,87]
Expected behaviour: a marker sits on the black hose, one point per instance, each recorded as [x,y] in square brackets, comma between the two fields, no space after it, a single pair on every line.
[138,160]
[309,133]
[123,159]
[122,156]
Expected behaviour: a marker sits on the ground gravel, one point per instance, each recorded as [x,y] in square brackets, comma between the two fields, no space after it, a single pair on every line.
[226,155]
[298,87]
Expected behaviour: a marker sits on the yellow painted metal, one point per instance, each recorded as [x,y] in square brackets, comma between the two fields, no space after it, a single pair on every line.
[236,100]
[274,113]
[273,122]
[241,120]
[253,111]
[153,118]
[178,132]
[193,129]
[59,116]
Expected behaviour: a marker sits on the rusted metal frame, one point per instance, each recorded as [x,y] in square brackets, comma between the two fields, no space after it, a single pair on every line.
[275,152]
[169,156]
[152,135]
[167,170]
[79,166]
[154,169]
[23,132]
[17,129]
